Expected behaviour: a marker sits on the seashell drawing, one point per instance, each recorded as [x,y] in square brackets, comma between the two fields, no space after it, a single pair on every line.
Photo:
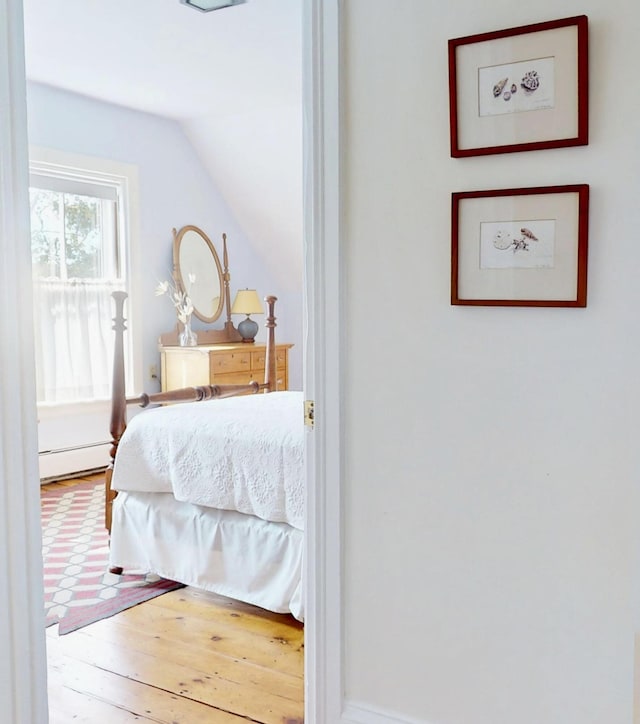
[514,88]
[507,95]
[529,234]
[502,240]
[520,245]
[498,87]
[530,82]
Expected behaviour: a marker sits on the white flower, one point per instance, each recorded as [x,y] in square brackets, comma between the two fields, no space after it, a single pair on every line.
[180,300]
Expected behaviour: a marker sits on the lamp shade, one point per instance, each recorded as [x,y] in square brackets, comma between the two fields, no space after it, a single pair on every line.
[247,302]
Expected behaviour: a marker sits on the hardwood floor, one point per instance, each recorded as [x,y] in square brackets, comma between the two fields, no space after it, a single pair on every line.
[186,657]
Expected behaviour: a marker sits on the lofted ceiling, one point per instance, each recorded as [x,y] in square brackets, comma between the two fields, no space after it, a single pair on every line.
[231,78]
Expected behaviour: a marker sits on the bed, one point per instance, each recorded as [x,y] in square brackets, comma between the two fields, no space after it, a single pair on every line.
[210,492]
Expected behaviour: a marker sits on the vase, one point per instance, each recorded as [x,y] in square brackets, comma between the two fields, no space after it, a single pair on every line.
[187,337]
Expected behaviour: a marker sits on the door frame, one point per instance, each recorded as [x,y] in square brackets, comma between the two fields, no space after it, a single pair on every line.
[323,337]
[23,673]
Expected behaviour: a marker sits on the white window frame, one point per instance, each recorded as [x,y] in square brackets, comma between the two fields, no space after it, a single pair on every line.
[100,171]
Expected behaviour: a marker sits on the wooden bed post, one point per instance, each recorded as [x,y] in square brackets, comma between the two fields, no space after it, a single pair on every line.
[270,366]
[118,401]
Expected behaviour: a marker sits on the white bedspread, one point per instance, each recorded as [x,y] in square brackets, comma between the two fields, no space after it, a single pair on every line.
[242,453]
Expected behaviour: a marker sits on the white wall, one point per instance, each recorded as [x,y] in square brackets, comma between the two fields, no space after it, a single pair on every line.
[491,467]
[175,189]
[255,159]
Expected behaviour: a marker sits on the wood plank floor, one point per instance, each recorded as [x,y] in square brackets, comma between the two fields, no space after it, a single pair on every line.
[186,657]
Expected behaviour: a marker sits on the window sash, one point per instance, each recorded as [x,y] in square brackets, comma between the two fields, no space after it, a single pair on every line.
[73,317]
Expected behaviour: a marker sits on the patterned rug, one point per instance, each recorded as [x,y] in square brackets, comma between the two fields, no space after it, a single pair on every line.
[78,587]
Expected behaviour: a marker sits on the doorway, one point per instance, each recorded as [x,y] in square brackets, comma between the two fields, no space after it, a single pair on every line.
[323,361]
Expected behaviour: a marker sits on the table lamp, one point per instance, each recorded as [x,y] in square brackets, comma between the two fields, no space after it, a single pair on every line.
[247,302]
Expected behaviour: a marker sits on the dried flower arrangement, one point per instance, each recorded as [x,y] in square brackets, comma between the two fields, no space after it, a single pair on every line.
[181,301]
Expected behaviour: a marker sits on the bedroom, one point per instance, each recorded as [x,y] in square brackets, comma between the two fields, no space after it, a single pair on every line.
[225,157]
[527,601]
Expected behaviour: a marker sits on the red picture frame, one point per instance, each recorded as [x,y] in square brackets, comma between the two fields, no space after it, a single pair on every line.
[520,89]
[524,247]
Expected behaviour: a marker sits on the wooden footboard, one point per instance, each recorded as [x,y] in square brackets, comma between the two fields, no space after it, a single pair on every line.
[119,400]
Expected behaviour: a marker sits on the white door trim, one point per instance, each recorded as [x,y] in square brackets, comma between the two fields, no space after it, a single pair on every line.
[23,673]
[323,336]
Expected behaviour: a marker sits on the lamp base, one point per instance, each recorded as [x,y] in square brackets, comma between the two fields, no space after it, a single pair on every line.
[248,330]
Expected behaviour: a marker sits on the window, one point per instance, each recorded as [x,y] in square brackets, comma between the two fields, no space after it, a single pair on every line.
[77,244]
[73,236]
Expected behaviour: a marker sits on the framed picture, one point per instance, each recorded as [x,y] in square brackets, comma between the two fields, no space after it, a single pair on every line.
[520,247]
[520,89]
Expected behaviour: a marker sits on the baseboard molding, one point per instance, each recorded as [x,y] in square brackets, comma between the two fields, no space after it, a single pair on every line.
[636,681]
[359,713]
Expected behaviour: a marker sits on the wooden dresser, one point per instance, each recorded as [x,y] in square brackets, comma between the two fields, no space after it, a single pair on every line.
[220,364]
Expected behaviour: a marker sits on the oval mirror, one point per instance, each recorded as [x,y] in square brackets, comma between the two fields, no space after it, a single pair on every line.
[198,272]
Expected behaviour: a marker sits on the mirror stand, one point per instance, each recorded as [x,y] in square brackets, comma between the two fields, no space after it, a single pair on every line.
[228,334]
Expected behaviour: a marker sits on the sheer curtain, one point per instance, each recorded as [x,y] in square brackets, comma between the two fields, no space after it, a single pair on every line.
[73,338]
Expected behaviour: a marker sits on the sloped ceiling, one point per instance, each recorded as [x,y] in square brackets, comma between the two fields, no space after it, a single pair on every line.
[232,78]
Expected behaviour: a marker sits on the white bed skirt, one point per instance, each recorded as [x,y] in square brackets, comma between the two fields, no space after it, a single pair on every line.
[235,555]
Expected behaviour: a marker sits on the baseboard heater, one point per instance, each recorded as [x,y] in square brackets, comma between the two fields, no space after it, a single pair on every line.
[73,461]
[73,447]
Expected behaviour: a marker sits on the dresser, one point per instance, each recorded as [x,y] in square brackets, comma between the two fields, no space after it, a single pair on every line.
[220,364]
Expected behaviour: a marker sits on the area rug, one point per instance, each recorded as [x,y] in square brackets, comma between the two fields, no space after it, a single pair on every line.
[78,587]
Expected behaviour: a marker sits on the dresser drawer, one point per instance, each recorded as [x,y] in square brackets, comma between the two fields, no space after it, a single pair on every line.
[239,378]
[281,378]
[229,362]
[258,359]
[234,378]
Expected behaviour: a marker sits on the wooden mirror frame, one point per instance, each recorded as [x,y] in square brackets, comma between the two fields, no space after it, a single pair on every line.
[228,334]
[209,254]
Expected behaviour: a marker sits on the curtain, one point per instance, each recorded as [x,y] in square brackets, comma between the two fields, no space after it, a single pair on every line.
[73,339]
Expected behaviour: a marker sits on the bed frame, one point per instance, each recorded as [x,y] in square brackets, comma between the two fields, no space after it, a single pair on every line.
[119,400]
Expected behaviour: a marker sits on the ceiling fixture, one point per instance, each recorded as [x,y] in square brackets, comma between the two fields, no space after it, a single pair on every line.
[208,5]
